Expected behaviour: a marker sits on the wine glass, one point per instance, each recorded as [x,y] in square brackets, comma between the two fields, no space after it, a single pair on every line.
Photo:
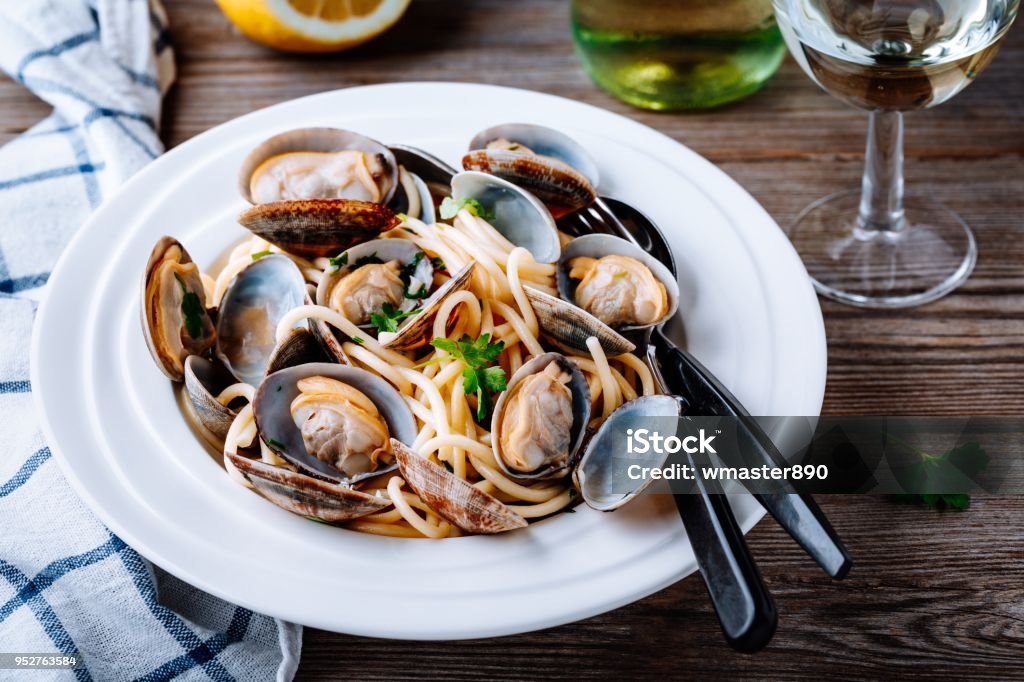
[880,247]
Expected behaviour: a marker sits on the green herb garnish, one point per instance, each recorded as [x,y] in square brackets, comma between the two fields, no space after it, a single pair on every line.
[372,259]
[620,275]
[448,466]
[261,254]
[450,208]
[276,444]
[358,340]
[340,260]
[949,473]
[388,317]
[438,263]
[481,375]
[192,309]
[402,217]
[406,274]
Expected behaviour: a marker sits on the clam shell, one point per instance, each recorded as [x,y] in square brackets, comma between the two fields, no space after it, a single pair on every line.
[562,188]
[469,508]
[400,203]
[317,140]
[204,380]
[544,141]
[305,495]
[598,245]
[169,362]
[561,172]
[317,227]
[581,416]
[418,329]
[598,477]
[300,347]
[424,164]
[271,408]
[568,326]
[401,250]
[518,215]
[255,301]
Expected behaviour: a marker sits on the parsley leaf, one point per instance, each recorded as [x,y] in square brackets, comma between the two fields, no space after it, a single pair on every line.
[450,208]
[372,259]
[340,260]
[936,480]
[438,263]
[358,340]
[261,254]
[480,376]
[192,309]
[388,317]
[402,217]
[406,274]
[620,275]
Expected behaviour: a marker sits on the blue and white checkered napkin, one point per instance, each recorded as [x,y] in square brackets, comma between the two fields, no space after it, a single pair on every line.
[67,584]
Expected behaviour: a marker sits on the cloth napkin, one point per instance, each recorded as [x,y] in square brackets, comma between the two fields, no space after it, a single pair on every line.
[67,584]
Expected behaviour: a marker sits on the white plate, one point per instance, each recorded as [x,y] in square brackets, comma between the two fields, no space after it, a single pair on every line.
[112,419]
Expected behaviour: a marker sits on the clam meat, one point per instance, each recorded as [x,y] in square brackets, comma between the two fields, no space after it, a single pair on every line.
[618,290]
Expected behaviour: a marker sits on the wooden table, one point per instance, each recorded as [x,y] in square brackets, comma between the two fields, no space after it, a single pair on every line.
[932,594]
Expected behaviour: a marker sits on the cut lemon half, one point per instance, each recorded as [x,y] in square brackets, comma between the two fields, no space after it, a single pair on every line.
[312,25]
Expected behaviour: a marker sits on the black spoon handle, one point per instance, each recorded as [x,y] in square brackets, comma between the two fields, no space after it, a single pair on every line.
[796,512]
[742,603]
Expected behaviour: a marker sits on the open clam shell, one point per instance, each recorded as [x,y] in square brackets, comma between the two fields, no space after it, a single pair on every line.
[323,141]
[403,251]
[600,245]
[580,396]
[300,347]
[204,380]
[255,301]
[568,326]
[468,507]
[435,175]
[317,227]
[305,495]
[601,475]
[175,321]
[542,160]
[518,215]
[271,408]
[414,198]
[417,330]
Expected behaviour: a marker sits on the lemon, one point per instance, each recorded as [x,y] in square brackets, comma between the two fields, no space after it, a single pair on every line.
[312,25]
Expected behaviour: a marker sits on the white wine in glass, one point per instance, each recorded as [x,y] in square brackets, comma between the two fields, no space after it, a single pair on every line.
[880,247]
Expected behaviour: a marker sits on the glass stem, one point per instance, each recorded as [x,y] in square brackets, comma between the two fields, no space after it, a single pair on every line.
[881,200]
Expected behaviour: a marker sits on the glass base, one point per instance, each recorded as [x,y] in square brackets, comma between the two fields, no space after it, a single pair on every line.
[932,255]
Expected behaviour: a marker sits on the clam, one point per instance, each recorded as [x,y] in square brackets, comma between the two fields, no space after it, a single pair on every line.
[255,301]
[602,473]
[606,285]
[544,161]
[300,347]
[316,191]
[204,380]
[515,213]
[389,272]
[333,421]
[540,420]
[429,173]
[305,495]
[461,503]
[175,321]
[414,198]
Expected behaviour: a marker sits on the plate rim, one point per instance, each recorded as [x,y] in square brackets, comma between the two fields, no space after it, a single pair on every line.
[818,365]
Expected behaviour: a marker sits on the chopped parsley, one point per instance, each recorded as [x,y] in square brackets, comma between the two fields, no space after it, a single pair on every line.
[402,217]
[448,466]
[261,254]
[358,340]
[438,263]
[372,259]
[406,274]
[450,208]
[481,375]
[620,275]
[388,318]
[340,260]
[276,444]
[192,309]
